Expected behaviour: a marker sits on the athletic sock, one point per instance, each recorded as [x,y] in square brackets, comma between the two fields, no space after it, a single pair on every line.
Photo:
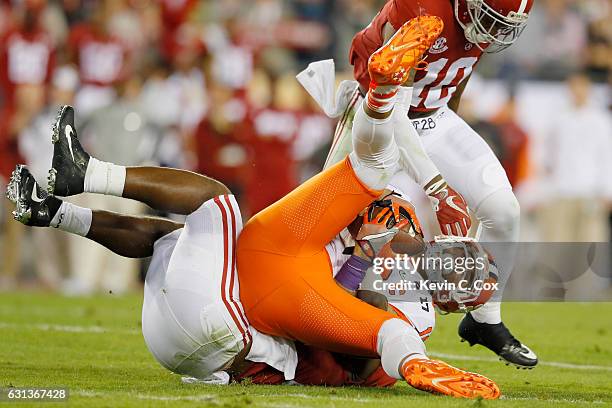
[73,219]
[381,98]
[489,313]
[104,178]
[398,343]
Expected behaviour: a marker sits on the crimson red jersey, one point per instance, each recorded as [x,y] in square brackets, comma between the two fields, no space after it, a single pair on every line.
[101,58]
[26,58]
[451,59]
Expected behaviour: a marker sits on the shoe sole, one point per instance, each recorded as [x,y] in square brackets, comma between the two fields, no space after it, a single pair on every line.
[12,189]
[55,134]
[440,378]
[394,60]
[13,193]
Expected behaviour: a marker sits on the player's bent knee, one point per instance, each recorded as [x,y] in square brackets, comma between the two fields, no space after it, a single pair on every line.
[218,189]
[211,189]
[500,211]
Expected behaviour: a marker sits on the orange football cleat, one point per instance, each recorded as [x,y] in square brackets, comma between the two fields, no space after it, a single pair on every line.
[438,377]
[391,64]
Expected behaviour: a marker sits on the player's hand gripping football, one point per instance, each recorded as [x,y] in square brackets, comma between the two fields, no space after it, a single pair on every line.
[378,225]
[450,207]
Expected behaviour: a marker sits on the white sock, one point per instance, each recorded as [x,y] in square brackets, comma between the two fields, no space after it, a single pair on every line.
[104,178]
[489,313]
[73,219]
[398,342]
[381,98]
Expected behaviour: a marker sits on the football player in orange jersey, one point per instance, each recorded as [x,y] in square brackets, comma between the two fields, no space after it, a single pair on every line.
[287,287]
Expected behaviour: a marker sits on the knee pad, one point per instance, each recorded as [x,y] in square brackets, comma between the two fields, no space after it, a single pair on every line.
[499,215]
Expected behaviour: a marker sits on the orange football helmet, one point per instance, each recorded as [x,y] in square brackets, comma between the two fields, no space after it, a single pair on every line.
[387,226]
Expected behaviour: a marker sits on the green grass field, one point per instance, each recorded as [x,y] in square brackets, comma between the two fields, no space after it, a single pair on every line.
[94,347]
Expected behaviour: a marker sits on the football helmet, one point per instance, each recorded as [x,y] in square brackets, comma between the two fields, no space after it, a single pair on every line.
[493,25]
[462,271]
[388,226]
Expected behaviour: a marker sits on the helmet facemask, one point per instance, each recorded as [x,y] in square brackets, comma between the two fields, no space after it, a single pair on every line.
[488,29]
[451,260]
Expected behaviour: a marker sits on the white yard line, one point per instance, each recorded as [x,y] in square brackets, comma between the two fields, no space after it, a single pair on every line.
[99,329]
[553,400]
[330,397]
[557,364]
[99,394]
[194,398]
[216,397]
[67,328]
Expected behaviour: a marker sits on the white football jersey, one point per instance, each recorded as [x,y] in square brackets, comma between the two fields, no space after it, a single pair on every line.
[416,305]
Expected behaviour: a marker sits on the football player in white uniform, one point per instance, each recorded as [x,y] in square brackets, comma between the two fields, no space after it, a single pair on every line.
[192,319]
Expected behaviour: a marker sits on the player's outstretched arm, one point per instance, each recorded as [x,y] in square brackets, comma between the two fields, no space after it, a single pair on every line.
[74,171]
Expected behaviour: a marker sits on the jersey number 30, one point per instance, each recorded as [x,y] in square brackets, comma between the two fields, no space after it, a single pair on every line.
[448,77]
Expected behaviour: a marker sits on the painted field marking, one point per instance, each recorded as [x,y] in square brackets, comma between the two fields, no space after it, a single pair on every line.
[556,364]
[214,397]
[100,329]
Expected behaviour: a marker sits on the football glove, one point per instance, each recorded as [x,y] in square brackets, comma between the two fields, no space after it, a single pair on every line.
[381,221]
[450,207]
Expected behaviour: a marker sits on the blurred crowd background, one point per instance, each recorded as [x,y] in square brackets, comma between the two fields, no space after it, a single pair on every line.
[209,85]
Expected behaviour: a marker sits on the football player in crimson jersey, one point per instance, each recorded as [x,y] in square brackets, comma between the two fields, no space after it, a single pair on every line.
[448,149]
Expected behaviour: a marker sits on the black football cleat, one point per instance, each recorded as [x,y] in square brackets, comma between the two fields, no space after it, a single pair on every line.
[497,338]
[67,174]
[33,206]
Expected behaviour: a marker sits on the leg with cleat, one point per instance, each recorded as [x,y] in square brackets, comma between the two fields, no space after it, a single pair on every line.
[439,377]
[128,236]
[74,171]
[497,338]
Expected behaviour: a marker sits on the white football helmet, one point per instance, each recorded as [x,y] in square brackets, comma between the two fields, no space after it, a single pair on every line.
[492,25]
[446,261]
